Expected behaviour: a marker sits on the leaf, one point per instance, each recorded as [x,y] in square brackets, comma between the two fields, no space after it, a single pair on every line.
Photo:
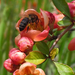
[65,22]
[64,69]
[53,53]
[42,46]
[35,57]
[62,6]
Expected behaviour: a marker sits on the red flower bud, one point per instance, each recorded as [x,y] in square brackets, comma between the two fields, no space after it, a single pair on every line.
[71,45]
[25,44]
[9,66]
[17,56]
[72,8]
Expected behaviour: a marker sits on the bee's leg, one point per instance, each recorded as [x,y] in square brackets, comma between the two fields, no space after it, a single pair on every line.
[27,28]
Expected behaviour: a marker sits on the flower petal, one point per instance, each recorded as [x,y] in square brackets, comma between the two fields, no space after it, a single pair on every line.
[17,25]
[42,35]
[58,17]
[16,72]
[17,38]
[45,17]
[30,33]
[39,71]
[51,20]
[32,11]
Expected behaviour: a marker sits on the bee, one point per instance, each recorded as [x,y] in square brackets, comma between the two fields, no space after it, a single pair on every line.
[27,20]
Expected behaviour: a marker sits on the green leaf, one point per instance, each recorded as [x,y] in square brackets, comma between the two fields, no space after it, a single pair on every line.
[42,46]
[69,0]
[64,69]
[53,53]
[62,6]
[35,57]
[65,22]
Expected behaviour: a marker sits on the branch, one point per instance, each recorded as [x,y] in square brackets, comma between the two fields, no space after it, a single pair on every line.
[72,29]
[52,38]
[59,36]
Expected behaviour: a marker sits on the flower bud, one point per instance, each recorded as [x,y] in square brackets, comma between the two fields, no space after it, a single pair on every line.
[72,8]
[9,66]
[25,44]
[71,45]
[17,56]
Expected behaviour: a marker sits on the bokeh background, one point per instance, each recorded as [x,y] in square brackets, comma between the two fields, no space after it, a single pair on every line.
[10,12]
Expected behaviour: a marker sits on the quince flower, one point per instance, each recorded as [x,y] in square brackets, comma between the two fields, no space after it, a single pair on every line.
[28,69]
[37,31]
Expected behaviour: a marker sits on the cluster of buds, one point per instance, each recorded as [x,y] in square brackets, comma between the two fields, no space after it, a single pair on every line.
[37,27]
[16,57]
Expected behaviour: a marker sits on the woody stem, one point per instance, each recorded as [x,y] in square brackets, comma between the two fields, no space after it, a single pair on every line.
[60,35]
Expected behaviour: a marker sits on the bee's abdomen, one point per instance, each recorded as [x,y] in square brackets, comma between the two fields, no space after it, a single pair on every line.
[23,23]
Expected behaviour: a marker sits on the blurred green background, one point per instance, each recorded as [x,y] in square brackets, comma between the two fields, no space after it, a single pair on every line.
[10,12]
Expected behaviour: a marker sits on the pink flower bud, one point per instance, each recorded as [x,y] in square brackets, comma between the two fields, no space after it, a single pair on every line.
[9,66]
[72,8]
[17,56]
[25,44]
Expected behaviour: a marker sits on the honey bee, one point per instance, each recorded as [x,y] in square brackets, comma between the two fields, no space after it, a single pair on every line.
[27,20]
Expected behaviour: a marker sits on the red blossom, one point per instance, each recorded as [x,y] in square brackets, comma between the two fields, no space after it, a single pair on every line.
[40,29]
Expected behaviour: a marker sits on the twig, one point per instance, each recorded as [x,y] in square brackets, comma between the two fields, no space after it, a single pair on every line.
[53,38]
[72,29]
[59,36]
